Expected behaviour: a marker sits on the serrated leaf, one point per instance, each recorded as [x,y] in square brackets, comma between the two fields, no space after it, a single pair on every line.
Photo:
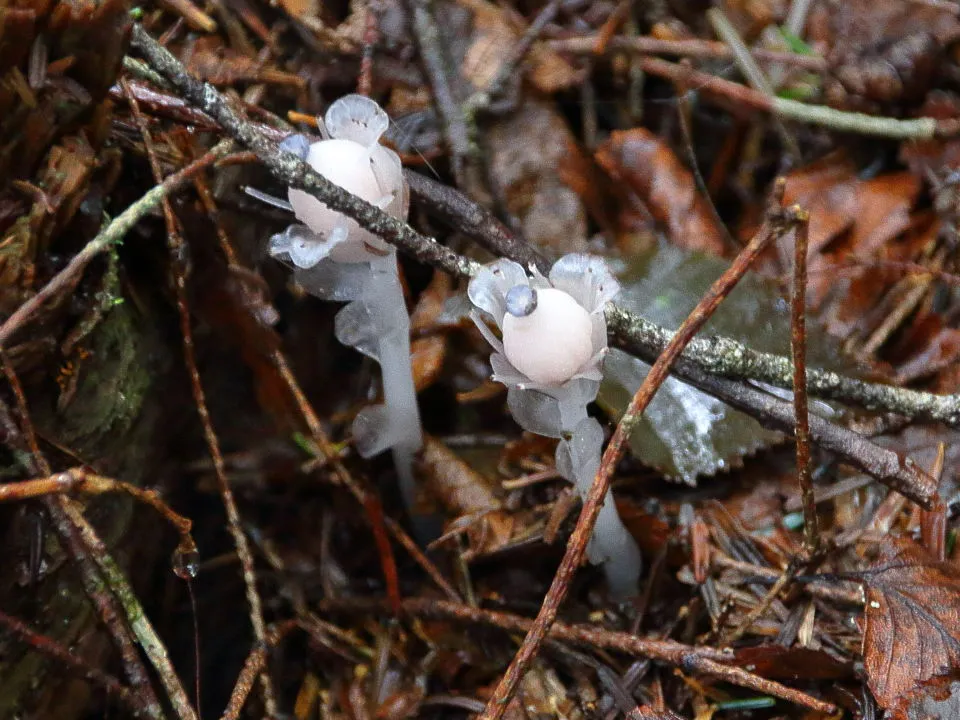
[686,433]
[911,642]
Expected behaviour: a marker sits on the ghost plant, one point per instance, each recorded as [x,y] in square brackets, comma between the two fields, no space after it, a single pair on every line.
[335,259]
[553,341]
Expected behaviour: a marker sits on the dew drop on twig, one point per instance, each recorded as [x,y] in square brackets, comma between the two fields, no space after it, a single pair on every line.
[186,563]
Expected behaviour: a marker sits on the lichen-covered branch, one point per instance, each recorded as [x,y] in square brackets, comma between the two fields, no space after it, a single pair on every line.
[717,355]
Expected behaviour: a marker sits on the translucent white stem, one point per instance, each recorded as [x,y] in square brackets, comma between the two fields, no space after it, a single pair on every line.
[399,393]
[376,323]
[578,459]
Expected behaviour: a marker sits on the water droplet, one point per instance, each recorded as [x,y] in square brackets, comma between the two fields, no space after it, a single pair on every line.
[186,563]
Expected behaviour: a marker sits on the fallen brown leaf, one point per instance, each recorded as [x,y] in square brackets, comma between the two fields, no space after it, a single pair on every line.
[467,496]
[792,663]
[648,167]
[911,640]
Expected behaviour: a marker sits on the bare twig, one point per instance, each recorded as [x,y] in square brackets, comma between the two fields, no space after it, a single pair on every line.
[113,233]
[577,546]
[51,648]
[751,71]
[252,669]
[818,588]
[80,481]
[176,251]
[705,660]
[133,611]
[798,344]
[320,439]
[102,600]
[482,99]
[587,45]
[837,120]
[437,66]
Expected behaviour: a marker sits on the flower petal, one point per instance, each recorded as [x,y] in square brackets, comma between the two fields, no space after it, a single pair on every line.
[330,280]
[300,245]
[586,278]
[356,327]
[488,288]
[356,118]
[486,332]
[296,144]
[504,372]
[535,411]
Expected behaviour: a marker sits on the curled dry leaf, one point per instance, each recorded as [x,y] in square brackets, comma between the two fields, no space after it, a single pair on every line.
[911,640]
[854,220]
[465,495]
[426,359]
[223,66]
[498,30]
[648,167]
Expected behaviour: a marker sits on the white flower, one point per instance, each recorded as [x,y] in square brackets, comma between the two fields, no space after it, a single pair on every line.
[352,158]
[554,336]
[554,341]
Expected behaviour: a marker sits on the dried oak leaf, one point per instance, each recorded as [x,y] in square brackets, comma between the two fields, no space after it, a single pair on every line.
[648,167]
[911,640]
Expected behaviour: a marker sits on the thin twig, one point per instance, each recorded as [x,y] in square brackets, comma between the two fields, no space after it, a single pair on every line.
[135,615]
[577,545]
[113,233]
[710,49]
[78,480]
[751,71]
[837,120]
[320,439]
[718,355]
[436,64]
[252,669]
[899,473]
[51,648]
[104,602]
[758,611]
[176,249]
[482,99]
[798,345]
[705,660]
[818,588]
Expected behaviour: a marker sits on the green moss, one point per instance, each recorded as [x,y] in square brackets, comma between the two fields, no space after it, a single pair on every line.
[112,383]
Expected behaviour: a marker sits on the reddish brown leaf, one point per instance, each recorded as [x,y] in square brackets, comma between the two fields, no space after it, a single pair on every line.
[912,635]
[460,488]
[792,663]
[426,358]
[648,167]
[429,352]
